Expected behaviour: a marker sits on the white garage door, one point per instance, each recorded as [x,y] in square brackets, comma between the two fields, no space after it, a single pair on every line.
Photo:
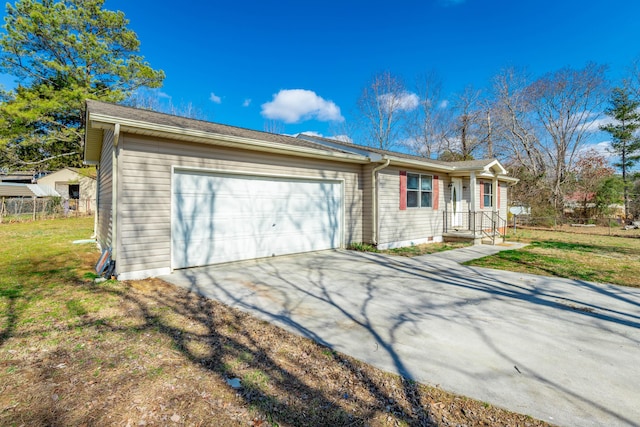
[219,218]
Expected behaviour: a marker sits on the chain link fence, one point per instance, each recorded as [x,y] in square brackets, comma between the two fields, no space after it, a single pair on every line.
[17,209]
[608,226]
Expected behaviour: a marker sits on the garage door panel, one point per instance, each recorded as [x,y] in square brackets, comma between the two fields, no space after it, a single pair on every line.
[220,218]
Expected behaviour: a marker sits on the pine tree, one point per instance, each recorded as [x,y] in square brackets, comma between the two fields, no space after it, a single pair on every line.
[625,142]
[61,53]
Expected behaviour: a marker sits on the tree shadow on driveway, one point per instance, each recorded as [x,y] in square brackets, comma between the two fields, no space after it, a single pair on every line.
[515,340]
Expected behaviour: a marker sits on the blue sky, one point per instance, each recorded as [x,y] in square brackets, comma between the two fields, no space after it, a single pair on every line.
[305,62]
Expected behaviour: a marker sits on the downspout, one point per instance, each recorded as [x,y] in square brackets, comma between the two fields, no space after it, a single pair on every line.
[374,201]
[114,192]
[95,203]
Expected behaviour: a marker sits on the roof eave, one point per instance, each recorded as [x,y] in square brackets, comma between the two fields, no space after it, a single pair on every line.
[403,162]
[101,121]
[511,180]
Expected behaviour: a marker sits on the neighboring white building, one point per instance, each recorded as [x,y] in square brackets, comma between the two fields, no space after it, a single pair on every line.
[75,186]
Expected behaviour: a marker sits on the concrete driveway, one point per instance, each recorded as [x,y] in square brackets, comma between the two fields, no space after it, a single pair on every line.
[563,351]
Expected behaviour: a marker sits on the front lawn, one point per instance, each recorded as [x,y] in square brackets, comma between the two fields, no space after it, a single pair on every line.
[73,352]
[606,259]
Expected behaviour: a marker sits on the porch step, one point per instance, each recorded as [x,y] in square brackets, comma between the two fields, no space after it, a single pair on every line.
[487,241]
[462,236]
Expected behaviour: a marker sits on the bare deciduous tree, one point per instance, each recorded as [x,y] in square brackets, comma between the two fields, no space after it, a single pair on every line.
[151,100]
[383,106]
[565,103]
[273,126]
[468,136]
[430,123]
[515,139]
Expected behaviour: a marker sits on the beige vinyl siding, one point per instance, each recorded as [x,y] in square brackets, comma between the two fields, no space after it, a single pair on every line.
[144,207]
[104,177]
[412,223]
[367,203]
[502,186]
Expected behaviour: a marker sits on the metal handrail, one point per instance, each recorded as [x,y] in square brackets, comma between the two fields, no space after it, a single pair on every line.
[486,224]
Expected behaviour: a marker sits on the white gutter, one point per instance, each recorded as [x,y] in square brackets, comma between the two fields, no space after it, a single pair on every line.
[400,161]
[374,204]
[114,191]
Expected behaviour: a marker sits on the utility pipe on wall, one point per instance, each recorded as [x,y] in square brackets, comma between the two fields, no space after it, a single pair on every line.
[374,204]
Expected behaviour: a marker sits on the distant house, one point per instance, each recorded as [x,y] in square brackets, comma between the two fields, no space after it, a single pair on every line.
[176,193]
[77,187]
[583,204]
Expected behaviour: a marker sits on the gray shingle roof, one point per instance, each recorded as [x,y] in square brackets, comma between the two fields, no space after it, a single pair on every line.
[379,151]
[153,117]
[471,164]
[307,141]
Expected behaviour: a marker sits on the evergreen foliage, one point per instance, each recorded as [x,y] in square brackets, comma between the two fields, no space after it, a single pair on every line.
[61,53]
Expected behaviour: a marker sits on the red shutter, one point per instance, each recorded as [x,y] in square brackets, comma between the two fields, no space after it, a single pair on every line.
[481,194]
[436,192]
[499,195]
[403,190]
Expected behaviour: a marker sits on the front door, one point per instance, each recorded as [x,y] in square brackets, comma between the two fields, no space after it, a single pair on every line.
[456,203]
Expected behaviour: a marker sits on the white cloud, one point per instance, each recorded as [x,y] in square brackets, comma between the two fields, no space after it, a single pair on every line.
[342,138]
[246,102]
[603,148]
[215,98]
[594,125]
[311,133]
[295,105]
[406,101]
[161,94]
[443,104]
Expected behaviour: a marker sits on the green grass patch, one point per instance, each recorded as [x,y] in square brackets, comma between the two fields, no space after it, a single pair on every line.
[607,259]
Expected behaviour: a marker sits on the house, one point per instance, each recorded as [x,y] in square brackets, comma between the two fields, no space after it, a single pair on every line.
[582,205]
[174,193]
[76,186]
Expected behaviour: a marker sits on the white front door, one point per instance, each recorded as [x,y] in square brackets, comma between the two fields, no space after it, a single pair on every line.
[220,217]
[456,202]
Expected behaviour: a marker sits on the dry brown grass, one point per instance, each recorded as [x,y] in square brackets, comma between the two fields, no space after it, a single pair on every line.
[148,353]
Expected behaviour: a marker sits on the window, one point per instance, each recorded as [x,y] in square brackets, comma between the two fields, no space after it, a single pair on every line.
[74,191]
[487,194]
[419,190]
